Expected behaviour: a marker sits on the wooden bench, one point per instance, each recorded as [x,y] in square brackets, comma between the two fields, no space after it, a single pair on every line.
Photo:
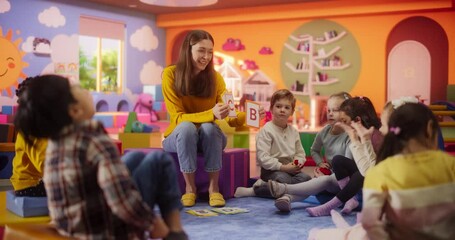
[36,231]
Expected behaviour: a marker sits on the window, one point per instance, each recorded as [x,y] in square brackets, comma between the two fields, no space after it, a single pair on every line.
[101,54]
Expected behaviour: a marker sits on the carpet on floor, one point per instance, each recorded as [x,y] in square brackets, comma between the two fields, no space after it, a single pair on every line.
[263,221]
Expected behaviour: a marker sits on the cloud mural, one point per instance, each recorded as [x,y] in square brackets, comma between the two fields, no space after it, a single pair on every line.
[37,45]
[27,46]
[5,6]
[65,48]
[249,65]
[266,51]
[144,39]
[65,52]
[233,45]
[41,46]
[151,73]
[52,17]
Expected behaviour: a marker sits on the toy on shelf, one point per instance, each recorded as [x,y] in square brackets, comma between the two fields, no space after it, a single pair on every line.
[144,104]
[138,127]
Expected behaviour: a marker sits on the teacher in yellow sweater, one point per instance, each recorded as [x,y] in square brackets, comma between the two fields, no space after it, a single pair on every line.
[192,91]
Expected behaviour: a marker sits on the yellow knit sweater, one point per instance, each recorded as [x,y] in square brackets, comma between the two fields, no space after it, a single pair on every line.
[193,109]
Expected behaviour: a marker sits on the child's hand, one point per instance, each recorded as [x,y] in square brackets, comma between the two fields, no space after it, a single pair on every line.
[319,171]
[300,163]
[324,165]
[160,229]
[365,134]
[352,133]
[290,168]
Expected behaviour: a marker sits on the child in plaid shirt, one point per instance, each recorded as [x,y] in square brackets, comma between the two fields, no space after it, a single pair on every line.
[91,194]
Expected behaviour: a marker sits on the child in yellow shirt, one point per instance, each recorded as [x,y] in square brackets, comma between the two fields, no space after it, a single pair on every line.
[28,163]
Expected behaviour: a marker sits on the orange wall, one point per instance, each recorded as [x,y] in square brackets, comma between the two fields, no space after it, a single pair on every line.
[370,30]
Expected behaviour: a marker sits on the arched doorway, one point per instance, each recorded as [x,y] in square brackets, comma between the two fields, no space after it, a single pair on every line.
[403,44]
[409,72]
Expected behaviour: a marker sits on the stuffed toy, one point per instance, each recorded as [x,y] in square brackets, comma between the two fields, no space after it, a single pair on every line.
[321,171]
[326,171]
[298,162]
[138,127]
[144,104]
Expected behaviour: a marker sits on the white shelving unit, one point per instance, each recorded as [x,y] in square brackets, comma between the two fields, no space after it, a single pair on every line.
[312,59]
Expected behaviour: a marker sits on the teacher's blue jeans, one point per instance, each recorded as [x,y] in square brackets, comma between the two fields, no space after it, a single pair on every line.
[187,140]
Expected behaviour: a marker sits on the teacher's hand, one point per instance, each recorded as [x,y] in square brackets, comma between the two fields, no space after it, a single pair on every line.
[261,112]
[220,111]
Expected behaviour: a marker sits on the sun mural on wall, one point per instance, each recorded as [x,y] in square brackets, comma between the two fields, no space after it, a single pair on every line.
[11,63]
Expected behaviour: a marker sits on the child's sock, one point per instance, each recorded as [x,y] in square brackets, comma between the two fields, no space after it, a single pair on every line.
[350,205]
[244,192]
[248,192]
[343,182]
[324,209]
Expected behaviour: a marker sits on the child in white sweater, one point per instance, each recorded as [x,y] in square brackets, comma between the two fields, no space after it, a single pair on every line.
[278,145]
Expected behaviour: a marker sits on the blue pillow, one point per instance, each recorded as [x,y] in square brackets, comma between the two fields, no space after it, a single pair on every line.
[26,206]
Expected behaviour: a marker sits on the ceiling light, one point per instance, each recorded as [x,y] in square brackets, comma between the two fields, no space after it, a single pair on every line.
[180,3]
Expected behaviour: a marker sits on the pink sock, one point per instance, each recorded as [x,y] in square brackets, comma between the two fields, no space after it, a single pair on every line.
[324,209]
[350,205]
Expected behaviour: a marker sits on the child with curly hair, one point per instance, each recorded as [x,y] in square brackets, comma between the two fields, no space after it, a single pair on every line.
[28,162]
[90,191]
